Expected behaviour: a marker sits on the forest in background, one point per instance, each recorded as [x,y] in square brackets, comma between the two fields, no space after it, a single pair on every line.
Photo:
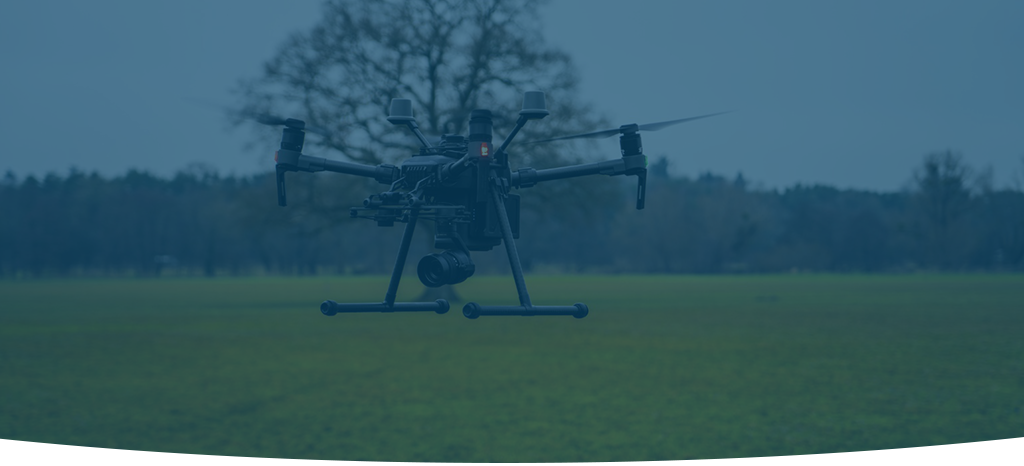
[451,57]
[197,222]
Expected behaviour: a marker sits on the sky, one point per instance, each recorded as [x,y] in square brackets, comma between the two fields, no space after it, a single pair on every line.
[845,93]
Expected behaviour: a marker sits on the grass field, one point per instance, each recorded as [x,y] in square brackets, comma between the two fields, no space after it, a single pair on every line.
[665,367]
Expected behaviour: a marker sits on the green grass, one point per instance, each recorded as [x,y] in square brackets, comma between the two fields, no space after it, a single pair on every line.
[665,367]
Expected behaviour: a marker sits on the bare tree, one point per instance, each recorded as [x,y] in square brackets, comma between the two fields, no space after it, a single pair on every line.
[943,180]
[943,184]
[448,56]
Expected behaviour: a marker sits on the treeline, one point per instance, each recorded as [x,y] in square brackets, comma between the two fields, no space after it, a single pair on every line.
[200,223]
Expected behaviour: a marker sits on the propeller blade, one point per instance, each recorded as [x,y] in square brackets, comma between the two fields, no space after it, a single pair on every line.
[274,120]
[261,118]
[264,118]
[318,131]
[596,134]
[645,127]
[665,124]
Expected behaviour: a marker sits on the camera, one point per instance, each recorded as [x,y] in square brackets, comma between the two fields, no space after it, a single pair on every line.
[446,268]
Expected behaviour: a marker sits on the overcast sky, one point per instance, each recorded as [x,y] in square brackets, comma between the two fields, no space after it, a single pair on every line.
[851,94]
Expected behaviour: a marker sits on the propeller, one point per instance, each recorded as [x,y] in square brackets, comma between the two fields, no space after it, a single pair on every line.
[629,128]
[274,120]
[264,118]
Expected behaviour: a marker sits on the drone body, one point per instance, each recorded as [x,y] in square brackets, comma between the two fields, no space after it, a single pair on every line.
[462,184]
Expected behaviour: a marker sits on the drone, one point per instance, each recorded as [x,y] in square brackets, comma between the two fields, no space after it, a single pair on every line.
[462,184]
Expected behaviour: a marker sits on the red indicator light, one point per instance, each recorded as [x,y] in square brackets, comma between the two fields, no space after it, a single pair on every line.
[483,150]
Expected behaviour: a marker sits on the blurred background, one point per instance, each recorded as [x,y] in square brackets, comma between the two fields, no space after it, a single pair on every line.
[866,136]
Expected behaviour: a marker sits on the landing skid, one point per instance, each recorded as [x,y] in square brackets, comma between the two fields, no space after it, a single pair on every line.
[470,310]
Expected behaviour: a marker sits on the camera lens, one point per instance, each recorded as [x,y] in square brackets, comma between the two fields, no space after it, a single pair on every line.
[431,270]
[446,268]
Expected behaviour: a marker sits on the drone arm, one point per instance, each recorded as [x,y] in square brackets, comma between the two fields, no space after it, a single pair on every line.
[295,161]
[527,177]
[629,165]
[383,173]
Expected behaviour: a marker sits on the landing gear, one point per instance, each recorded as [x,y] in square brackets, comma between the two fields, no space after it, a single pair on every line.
[525,307]
[436,267]
[330,308]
